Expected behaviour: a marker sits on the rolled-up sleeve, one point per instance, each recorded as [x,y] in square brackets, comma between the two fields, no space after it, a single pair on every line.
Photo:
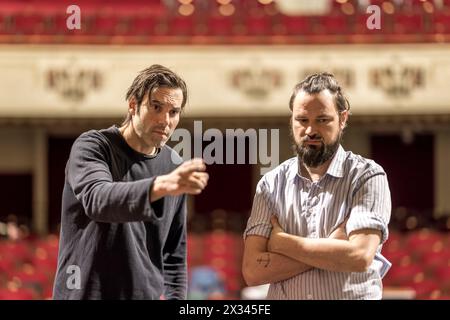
[371,204]
[262,209]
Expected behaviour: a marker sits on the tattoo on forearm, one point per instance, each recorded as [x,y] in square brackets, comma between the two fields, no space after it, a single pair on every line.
[265,261]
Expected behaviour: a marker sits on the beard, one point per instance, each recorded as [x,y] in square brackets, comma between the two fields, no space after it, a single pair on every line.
[315,155]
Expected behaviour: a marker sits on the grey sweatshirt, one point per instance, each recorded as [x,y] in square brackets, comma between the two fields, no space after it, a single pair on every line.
[114,243]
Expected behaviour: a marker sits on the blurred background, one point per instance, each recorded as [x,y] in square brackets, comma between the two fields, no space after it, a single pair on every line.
[240,59]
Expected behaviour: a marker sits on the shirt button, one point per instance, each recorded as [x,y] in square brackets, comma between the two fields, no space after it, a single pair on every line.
[309,296]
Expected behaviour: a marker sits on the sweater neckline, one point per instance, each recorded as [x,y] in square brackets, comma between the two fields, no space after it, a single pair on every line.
[125,144]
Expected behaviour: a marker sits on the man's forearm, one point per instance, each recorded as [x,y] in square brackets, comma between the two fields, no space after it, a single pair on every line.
[270,267]
[328,254]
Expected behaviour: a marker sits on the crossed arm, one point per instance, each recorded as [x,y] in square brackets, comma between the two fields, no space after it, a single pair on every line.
[283,255]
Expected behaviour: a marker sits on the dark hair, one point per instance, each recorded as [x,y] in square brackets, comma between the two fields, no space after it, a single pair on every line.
[318,82]
[155,76]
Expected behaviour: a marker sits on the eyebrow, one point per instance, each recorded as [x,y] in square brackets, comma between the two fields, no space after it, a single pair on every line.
[155,101]
[319,116]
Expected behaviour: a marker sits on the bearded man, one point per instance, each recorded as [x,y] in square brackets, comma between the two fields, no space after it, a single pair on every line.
[319,219]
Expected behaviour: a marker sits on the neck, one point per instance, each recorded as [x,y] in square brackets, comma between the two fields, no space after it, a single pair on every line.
[314,174]
[134,141]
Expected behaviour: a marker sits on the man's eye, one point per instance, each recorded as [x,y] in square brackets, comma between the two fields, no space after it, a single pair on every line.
[174,112]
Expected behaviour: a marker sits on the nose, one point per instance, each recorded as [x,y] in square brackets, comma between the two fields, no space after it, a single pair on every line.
[163,118]
[310,130]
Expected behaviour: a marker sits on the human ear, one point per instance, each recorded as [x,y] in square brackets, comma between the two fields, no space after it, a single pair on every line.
[343,117]
[132,105]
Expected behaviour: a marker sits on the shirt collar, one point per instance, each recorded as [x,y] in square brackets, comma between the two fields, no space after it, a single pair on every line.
[336,168]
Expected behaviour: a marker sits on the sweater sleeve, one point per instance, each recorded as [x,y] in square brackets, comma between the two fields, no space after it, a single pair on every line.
[104,200]
[175,269]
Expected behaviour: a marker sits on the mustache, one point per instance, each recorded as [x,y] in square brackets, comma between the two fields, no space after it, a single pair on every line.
[312,138]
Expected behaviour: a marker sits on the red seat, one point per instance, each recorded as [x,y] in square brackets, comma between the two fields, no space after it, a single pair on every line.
[20,250]
[299,25]
[142,25]
[105,24]
[49,243]
[29,23]
[334,24]
[227,255]
[443,274]
[404,275]
[182,26]
[395,237]
[6,265]
[229,239]
[425,288]
[408,23]
[423,241]
[220,26]
[45,265]
[435,259]
[58,26]
[397,257]
[446,4]
[17,294]
[6,23]
[441,22]
[258,26]
[47,292]
[29,275]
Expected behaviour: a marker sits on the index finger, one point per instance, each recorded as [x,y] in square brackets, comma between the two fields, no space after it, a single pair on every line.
[192,166]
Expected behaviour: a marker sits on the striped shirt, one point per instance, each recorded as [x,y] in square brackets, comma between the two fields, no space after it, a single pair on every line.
[352,186]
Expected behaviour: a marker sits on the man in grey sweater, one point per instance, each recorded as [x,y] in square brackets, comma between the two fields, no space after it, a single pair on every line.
[123,222]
